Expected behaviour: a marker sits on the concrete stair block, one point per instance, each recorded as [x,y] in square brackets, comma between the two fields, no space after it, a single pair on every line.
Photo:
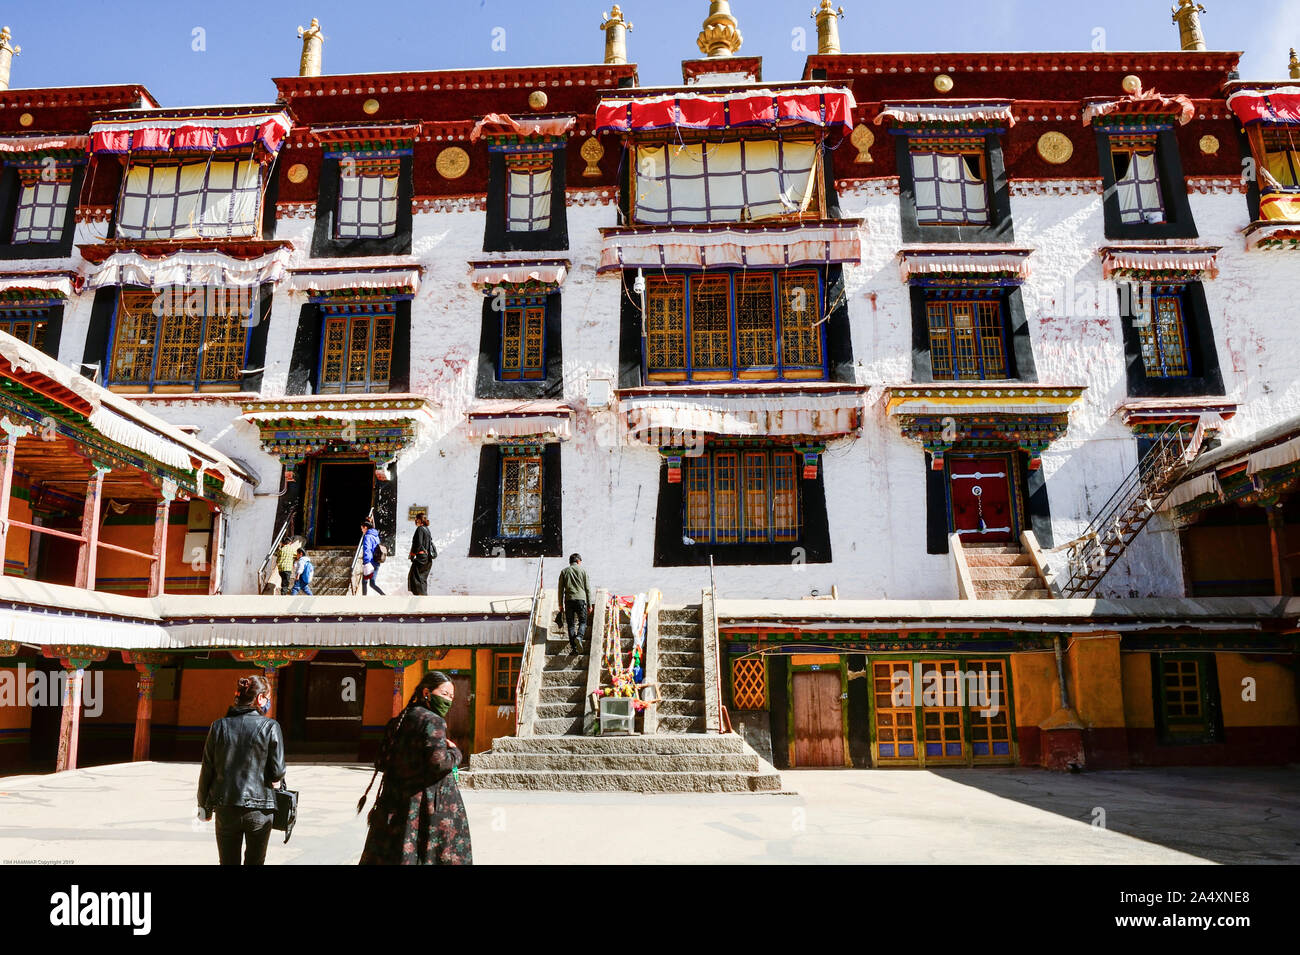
[624,781]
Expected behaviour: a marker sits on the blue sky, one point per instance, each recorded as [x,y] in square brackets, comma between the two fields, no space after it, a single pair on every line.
[246,42]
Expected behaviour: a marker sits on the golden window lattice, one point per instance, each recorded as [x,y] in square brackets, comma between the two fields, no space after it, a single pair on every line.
[749,684]
[505,677]
[134,339]
[755,477]
[755,322]
[941,714]
[521,497]
[711,323]
[726,498]
[895,715]
[335,351]
[966,340]
[695,483]
[381,351]
[521,342]
[986,700]
[1182,689]
[1163,342]
[223,348]
[357,353]
[800,307]
[785,496]
[666,324]
[178,347]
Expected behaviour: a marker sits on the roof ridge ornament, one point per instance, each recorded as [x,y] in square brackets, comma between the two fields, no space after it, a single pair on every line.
[828,28]
[616,29]
[721,34]
[1295,65]
[312,42]
[8,50]
[1188,17]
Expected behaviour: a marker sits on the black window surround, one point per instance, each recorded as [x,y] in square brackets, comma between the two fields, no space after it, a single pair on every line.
[496,237]
[304,363]
[10,193]
[1178,223]
[1033,491]
[323,242]
[50,314]
[1205,376]
[1019,347]
[1211,723]
[999,227]
[488,384]
[486,539]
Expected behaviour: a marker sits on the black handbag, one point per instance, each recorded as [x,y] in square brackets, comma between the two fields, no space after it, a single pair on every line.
[286,810]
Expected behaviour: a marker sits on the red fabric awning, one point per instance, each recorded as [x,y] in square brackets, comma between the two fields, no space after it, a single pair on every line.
[138,133]
[823,107]
[1278,107]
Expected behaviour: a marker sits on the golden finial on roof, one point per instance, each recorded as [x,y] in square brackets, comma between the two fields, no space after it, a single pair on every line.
[615,28]
[828,27]
[1188,17]
[7,53]
[721,33]
[312,41]
[1295,65]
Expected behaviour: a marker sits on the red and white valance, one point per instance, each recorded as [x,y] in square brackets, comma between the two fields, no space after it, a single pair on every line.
[404,277]
[546,420]
[1190,490]
[817,106]
[711,248]
[946,114]
[499,124]
[58,283]
[41,143]
[914,264]
[1195,262]
[188,268]
[1148,103]
[485,275]
[142,133]
[1273,107]
[661,420]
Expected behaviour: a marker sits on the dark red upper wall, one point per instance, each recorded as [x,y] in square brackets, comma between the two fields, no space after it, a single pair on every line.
[66,109]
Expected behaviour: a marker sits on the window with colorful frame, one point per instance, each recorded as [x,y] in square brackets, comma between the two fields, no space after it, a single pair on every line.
[1162,331]
[749,683]
[933,711]
[741,495]
[28,325]
[692,183]
[528,191]
[171,341]
[356,348]
[1186,696]
[950,178]
[735,325]
[520,514]
[505,677]
[177,199]
[43,196]
[1277,152]
[367,198]
[1137,179]
[968,336]
[523,340]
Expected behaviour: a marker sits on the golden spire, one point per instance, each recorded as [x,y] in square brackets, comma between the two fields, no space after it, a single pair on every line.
[615,28]
[1295,65]
[7,53]
[721,33]
[828,27]
[312,41]
[1188,17]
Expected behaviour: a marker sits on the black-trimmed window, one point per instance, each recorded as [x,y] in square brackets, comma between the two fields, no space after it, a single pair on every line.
[38,206]
[523,342]
[1281,159]
[28,325]
[526,208]
[971,333]
[528,193]
[42,207]
[735,326]
[505,677]
[356,349]
[363,204]
[517,506]
[953,187]
[367,205]
[174,341]
[520,344]
[1144,193]
[178,199]
[741,496]
[519,512]
[1186,696]
[1169,346]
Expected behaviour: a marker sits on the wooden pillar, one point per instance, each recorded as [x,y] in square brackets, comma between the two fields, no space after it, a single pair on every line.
[214,552]
[270,673]
[6,486]
[399,683]
[147,663]
[271,661]
[161,520]
[1277,546]
[75,661]
[89,550]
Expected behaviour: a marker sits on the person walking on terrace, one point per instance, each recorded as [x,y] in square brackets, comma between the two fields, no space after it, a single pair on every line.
[303,571]
[285,559]
[422,556]
[575,600]
[243,761]
[372,555]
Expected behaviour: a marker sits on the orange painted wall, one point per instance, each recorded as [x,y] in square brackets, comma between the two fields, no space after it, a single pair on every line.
[207,694]
[19,540]
[118,699]
[1034,687]
[1275,697]
[378,708]
[1139,708]
[490,720]
[815,659]
[15,714]
[112,565]
[1095,675]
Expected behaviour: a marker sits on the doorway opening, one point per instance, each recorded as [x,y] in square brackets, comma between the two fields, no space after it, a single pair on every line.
[341,495]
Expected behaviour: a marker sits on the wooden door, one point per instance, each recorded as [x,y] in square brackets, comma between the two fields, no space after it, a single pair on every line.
[981,496]
[334,704]
[818,719]
[460,721]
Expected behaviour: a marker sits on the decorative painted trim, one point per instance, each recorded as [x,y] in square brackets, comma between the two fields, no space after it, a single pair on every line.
[871,188]
[449,204]
[295,210]
[1216,186]
[1056,187]
[93,213]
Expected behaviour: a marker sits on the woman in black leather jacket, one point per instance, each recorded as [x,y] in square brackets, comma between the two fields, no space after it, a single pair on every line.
[243,760]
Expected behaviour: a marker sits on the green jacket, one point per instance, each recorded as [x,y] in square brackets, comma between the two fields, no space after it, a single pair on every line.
[574,585]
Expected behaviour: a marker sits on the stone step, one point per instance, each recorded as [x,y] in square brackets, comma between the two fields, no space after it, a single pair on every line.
[1025,595]
[564,677]
[978,559]
[558,693]
[681,644]
[624,781]
[690,708]
[557,728]
[679,630]
[669,674]
[1004,589]
[610,762]
[688,615]
[559,711]
[574,664]
[1018,572]
[700,743]
[682,724]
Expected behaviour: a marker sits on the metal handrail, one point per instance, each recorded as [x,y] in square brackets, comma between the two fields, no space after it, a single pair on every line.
[272,555]
[724,719]
[525,661]
[354,568]
[1154,477]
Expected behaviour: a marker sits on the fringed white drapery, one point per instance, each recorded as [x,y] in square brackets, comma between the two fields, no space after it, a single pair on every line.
[188,269]
[1189,491]
[778,247]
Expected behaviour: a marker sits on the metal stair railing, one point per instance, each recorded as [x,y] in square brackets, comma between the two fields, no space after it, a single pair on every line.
[525,662]
[270,564]
[1091,555]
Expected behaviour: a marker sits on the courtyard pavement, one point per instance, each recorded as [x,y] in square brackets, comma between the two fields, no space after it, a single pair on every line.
[142,813]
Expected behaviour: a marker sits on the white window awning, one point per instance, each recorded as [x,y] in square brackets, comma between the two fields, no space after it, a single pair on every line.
[1122,261]
[911,114]
[660,417]
[919,264]
[704,247]
[488,274]
[546,420]
[374,275]
[60,283]
[188,268]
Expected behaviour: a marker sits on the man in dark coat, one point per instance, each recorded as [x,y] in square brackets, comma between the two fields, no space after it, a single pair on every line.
[575,600]
[419,818]
[422,554]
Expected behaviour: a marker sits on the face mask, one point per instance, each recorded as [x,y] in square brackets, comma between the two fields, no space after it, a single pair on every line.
[440,705]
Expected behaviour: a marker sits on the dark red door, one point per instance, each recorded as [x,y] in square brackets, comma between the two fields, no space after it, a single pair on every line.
[981,495]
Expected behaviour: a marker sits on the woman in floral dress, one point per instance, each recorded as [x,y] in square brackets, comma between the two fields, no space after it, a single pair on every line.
[419,818]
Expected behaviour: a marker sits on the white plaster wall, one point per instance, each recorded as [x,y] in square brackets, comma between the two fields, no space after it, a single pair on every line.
[875,483]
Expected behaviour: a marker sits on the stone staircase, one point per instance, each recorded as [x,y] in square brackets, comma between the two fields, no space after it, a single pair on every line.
[563,688]
[333,571]
[681,670]
[1004,572]
[645,764]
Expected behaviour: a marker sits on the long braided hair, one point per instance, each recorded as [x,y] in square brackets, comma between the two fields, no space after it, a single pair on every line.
[431,681]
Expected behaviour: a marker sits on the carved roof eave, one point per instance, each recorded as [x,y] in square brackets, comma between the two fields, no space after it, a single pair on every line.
[1148,413]
[842,65]
[1267,235]
[957,399]
[354,408]
[598,76]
